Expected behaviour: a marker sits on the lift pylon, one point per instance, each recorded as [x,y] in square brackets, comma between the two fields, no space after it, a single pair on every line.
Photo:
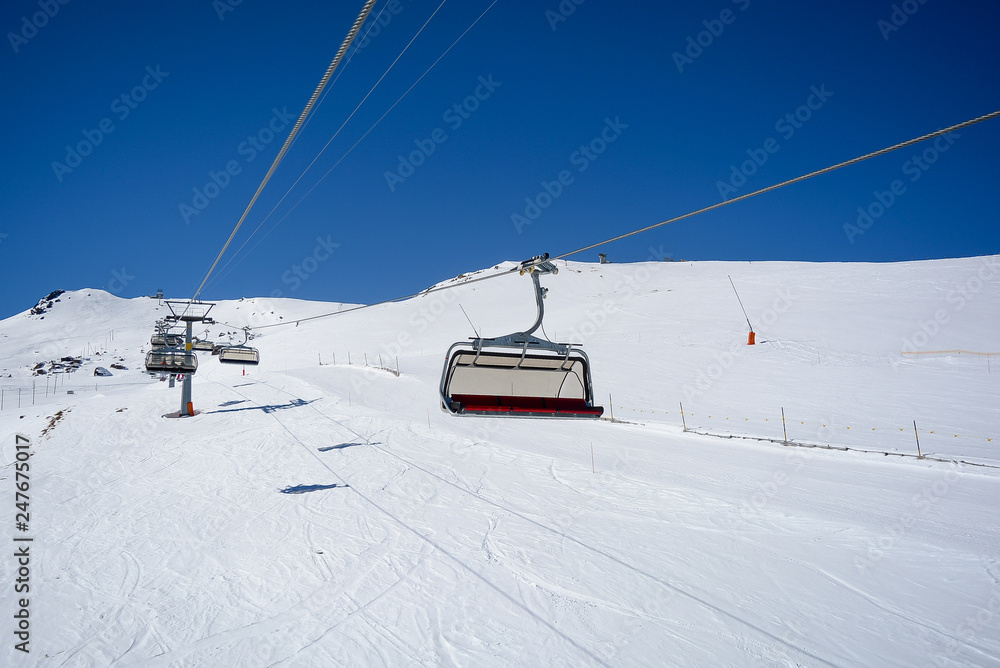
[188,312]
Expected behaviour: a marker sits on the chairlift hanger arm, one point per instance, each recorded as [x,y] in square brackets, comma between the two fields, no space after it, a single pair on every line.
[538,264]
[535,266]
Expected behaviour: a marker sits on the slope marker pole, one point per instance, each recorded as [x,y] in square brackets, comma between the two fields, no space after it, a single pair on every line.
[920,455]
[683,421]
[783,427]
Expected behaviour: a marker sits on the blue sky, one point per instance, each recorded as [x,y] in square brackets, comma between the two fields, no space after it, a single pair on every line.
[574,123]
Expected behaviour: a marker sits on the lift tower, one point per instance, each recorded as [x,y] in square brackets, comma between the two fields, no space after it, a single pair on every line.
[188,313]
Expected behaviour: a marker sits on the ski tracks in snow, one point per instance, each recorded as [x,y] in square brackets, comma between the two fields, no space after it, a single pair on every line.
[425,534]
[573,593]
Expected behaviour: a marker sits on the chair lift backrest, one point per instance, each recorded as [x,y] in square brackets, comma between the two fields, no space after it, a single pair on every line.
[517,375]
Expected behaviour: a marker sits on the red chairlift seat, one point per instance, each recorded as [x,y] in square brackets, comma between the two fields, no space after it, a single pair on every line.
[527,406]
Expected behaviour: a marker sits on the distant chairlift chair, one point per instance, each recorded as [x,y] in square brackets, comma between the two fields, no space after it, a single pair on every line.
[519,375]
[166,341]
[240,354]
[199,344]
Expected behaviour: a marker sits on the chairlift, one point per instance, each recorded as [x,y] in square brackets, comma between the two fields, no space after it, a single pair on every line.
[171,360]
[241,353]
[166,341]
[519,375]
[198,344]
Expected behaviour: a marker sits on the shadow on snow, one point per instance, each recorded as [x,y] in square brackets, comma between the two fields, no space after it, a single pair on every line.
[342,446]
[294,403]
[302,489]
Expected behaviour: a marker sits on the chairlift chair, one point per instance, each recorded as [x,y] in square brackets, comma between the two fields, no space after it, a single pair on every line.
[198,344]
[519,375]
[240,354]
[171,360]
[162,339]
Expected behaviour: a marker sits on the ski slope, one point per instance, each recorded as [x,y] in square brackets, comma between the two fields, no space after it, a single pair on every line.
[320,513]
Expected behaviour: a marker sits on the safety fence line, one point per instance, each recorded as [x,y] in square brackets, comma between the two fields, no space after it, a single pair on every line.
[369,363]
[948,352]
[842,448]
[14,397]
[950,434]
[625,411]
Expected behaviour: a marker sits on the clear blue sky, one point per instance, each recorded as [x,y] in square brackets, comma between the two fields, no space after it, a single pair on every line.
[665,120]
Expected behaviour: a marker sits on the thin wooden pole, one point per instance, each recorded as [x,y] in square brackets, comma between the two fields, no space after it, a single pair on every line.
[683,421]
[783,427]
[920,455]
[611,402]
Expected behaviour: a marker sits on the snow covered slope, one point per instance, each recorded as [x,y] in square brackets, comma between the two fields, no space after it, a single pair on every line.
[323,513]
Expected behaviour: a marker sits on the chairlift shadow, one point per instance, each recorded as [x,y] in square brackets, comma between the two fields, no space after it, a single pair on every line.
[270,408]
[303,489]
[344,445]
